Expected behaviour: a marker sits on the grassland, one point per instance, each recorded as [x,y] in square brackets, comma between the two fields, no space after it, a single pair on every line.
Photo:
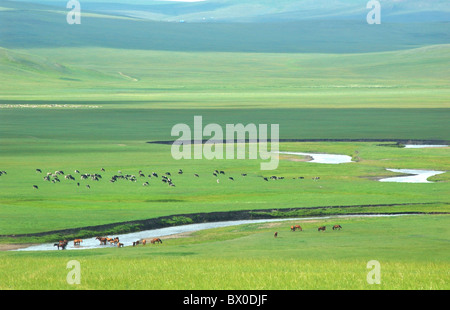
[412,251]
[91,104]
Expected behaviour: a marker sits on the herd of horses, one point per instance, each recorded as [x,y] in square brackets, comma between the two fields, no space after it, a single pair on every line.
[62,244]
[320,228]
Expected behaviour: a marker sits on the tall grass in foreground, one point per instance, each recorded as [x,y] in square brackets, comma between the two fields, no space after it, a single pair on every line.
[189,273]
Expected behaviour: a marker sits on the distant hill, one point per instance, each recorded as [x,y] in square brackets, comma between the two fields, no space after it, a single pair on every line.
[265,10]
[23,26]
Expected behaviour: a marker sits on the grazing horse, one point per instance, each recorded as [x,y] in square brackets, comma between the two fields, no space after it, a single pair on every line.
[77,241]
[275,234]
[120,245]
[144,242]
[136,243]
[337,227]
[321,228]
[156,240]
[297,227]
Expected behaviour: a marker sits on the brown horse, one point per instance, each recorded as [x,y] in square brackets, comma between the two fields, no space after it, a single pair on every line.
[292,228]
[156,240]
[322,228]
[275,234]
[297,227]
[337,227]
[102,240]
[120,245]
[77,241]
[144,242]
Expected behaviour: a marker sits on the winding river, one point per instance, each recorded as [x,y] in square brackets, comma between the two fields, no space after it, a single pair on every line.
[128,239]
[414,176]
[323,158]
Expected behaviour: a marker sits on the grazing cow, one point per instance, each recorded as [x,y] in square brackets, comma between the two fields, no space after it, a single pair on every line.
[39,170]
[244,174]
[337,227]
[155,240]
[145,184]
[322,228]
[222,172]
[231,178]
[88,186]
[35,186]
[275,234]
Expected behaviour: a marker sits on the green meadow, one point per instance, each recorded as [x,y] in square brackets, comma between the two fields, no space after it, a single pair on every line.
[78,101]
[412,252]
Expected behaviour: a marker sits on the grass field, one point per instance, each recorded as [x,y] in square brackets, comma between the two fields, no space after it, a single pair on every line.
[79,101]
[409,259]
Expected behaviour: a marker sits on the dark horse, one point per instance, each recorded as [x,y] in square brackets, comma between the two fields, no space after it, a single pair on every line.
[321,228]
[61,244]
[337,227]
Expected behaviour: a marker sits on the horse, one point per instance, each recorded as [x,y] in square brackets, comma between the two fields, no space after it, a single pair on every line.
[275,234]
[337,227]
[156,240]
[298,227]
[77,241]
[102,240]
[292,228]
[119,245]
[144,241]
[321,228]
[135,243]
[61,244]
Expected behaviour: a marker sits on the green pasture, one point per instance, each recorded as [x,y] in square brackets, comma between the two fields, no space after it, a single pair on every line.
[66,205]
[412,252]
[76,100]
